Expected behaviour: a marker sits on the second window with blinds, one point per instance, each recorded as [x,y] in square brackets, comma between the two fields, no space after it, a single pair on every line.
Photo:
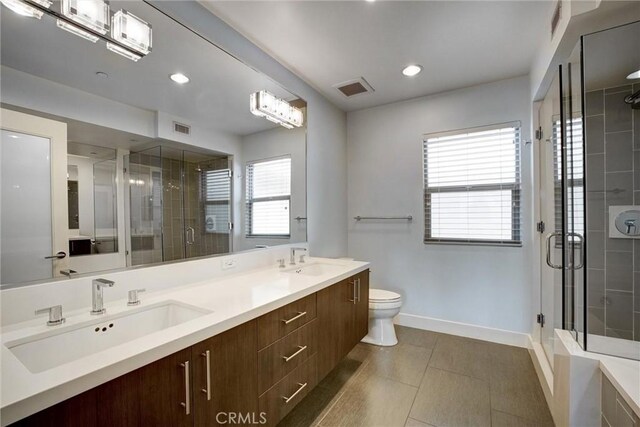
[472,190]
[268,198]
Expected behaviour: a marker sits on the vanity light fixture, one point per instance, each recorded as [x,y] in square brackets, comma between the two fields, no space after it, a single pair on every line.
[179,78]
[412,70]
[73,29]
[131,31]
[267,105]
[91,14]
[24,9]
[634,75]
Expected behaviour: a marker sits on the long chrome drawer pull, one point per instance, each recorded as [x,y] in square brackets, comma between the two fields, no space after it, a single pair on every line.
[294,318]
[301,348]
[288,399]
[187,400]
[207,391]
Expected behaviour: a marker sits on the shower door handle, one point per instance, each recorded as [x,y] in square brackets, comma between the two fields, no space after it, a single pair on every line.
[581,257]
[549,263]
[191,232]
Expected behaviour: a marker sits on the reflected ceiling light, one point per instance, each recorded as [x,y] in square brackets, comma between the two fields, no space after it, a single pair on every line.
[131,31]
[412,70]
[73,29]
[267,105]
[179,78]
[91,14]
[124,52]
[24,9]
[634,75]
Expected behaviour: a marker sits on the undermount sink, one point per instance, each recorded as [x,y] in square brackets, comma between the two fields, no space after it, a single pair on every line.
[316,269]
[65,344]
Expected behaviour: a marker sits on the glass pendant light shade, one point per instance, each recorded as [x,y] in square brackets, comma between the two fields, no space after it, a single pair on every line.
[124,52]
[91,14]
[131,31]
[77,31]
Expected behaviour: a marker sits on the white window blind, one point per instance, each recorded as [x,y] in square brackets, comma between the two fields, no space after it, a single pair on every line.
[216,187]
[268,197]
[472,186]
[574,177]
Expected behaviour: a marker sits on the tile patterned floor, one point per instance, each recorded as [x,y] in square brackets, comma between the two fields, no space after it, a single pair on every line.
[427,380]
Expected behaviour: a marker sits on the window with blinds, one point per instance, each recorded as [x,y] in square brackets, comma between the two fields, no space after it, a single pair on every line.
[472,190]
[216,187]
[268,198]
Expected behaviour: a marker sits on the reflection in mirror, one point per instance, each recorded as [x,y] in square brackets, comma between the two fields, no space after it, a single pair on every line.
[155,169]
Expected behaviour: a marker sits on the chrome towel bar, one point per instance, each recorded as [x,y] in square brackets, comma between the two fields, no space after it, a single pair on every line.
[406,218]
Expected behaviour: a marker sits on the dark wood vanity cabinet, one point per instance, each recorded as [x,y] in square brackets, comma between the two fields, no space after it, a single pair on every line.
[343,313]
[252,374]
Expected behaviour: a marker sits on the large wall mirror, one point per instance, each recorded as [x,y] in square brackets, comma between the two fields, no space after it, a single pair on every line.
[108,162]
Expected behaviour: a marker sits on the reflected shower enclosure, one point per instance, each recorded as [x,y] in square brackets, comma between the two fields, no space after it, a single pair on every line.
[179,205]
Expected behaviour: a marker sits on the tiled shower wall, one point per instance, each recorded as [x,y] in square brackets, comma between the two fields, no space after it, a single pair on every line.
[613,178]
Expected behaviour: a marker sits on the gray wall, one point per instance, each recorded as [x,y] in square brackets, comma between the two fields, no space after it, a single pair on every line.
[613,178]
[326,128]
[480,285]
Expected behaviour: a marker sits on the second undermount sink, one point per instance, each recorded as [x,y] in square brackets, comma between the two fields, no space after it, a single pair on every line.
[65,344]
[315,269]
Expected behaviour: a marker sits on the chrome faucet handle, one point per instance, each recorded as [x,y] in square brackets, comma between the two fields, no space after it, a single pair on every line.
[55,315]
[281,263]
[133,296]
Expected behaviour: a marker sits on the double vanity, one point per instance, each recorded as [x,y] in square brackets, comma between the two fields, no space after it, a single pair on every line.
[240,349]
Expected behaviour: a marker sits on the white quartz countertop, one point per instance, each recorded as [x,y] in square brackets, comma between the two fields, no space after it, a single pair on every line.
[232,300]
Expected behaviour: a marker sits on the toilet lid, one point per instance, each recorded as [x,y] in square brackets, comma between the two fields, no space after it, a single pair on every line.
[379,295]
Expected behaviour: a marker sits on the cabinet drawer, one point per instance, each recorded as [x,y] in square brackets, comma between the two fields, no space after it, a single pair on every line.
[278,323]
[285,395]
[286,354]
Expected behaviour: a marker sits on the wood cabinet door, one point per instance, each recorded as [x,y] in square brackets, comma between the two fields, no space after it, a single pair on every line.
[78,411]
[361,323]
[165,391]
[225,386]
[335,308]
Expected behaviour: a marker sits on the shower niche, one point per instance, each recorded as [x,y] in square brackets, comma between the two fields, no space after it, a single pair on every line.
[179,204]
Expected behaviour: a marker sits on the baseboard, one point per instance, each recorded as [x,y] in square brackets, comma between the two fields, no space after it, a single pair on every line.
[499,336]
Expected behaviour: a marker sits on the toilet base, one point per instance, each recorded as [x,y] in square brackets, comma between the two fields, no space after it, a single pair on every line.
[381,332]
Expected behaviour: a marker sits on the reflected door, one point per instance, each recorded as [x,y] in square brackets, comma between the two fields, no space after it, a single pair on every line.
[34,212]
[551,216]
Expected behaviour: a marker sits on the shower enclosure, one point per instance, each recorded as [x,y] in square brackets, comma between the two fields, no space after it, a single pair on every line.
[179,204]
[590,196]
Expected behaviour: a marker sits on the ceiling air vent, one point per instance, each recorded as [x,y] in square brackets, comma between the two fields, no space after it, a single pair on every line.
[181,128]
[555,19]
[354,87]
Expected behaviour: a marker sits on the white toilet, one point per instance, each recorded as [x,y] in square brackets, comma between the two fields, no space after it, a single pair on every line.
[383,307]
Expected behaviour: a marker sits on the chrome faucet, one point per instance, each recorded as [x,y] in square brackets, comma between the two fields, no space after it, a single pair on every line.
[96,295]
[292,260]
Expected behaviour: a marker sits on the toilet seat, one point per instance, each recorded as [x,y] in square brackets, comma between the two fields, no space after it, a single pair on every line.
[383,296]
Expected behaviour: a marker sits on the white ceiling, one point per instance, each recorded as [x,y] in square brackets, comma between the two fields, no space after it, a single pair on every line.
[459,43]
[606,67]
[217,96]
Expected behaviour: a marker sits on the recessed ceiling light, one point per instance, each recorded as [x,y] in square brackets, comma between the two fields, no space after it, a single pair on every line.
[179,78]
[634,75]
[411,70]
[371,1]
[102,74]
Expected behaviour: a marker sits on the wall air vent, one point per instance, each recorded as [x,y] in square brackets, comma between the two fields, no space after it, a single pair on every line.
[354,87]
[181,128]
[555,19]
